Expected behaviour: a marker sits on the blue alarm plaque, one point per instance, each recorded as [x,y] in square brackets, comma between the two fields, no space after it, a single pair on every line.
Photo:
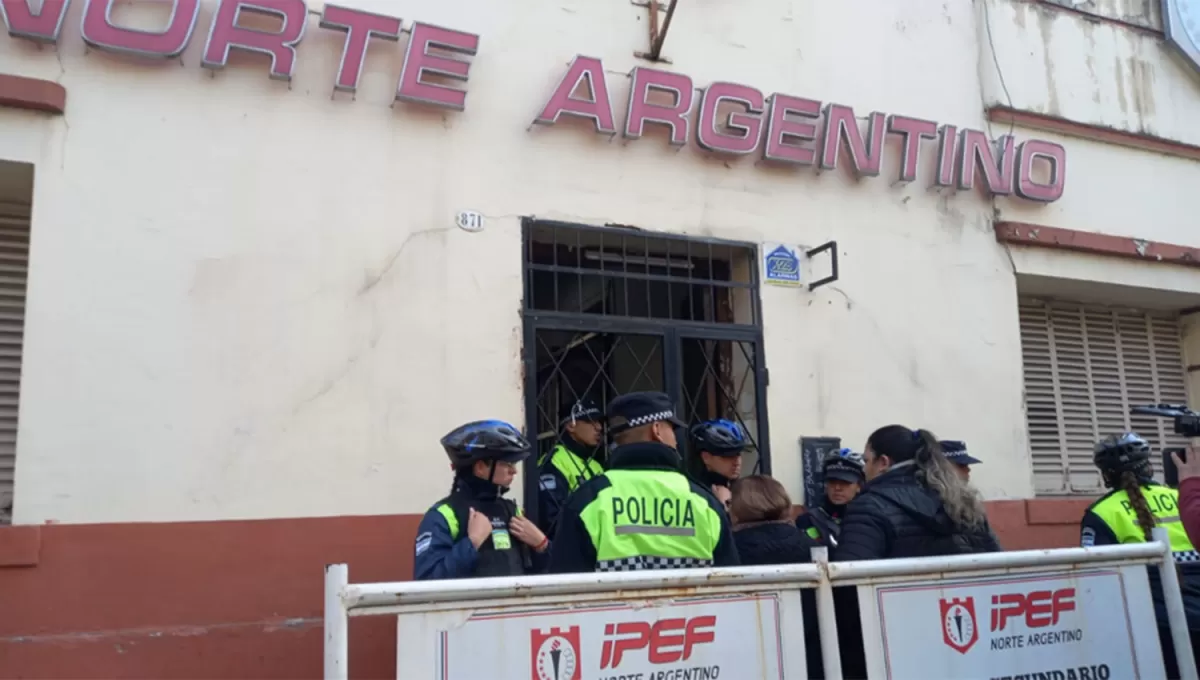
[781,264]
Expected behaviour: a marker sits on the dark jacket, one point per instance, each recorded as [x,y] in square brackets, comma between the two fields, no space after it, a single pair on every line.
[894,516]
[574,547]
[771,543]
[444,550]
[712,479]
[822,525]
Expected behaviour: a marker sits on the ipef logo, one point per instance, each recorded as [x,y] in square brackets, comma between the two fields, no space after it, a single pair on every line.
[554,655]
[959,631]
[665,641]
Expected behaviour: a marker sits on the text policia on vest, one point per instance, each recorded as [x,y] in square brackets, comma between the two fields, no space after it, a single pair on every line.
[650,512]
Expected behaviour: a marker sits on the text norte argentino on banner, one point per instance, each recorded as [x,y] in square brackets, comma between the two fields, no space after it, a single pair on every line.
[700,673]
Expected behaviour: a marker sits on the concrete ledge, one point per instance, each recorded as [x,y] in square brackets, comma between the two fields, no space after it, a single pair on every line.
[1093,132]
[1128,247]
[32,94]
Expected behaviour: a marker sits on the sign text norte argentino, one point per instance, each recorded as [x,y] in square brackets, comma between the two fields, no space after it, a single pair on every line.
[724,118]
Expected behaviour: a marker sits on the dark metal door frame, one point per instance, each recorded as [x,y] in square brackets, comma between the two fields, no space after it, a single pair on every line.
[672,333]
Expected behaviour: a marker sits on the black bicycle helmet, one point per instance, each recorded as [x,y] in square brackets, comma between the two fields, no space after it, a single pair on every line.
[719,437]
[1120,453]
[485,440]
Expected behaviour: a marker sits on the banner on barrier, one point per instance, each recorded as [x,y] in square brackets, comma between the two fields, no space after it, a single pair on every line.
[1096,625]
[698,639]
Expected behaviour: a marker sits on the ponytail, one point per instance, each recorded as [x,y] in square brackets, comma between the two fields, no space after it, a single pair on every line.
[960,500]
[1128,482]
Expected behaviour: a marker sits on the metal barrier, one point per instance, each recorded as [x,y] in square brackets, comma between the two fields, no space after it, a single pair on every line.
[1083,613]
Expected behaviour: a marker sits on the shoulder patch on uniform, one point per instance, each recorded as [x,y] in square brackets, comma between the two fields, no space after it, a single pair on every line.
[548,483]
[424,541]
[1087,537]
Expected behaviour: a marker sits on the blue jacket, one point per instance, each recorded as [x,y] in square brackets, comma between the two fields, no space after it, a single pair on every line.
[438,554]
[445,552]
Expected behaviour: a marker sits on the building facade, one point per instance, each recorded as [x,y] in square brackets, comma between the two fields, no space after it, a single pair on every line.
[256,258]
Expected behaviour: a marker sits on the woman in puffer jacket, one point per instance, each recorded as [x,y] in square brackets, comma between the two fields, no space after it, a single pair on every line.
[915,504]
[762,523]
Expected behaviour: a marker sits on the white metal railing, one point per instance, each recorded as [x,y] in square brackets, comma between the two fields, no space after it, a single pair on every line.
[1101,580]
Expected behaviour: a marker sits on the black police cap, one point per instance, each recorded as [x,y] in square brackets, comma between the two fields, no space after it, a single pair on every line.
[956,452]
[583,409]
[641,408]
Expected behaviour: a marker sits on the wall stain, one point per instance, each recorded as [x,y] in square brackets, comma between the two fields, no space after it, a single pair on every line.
[1046,19]
[1119,69]
[1089,29]
[1143,92]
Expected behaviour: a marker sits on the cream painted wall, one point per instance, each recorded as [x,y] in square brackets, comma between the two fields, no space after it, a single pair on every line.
[1117,191]
[1064,64]
[249,300]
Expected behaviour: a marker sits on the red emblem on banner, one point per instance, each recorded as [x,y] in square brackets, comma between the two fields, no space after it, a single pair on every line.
[958,624]
[554,655]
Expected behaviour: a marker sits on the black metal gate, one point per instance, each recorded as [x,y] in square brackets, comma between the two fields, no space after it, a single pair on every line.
[613,310]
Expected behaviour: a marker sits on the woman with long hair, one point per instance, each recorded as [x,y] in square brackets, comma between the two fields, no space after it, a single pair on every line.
[915,504]
[1129,512]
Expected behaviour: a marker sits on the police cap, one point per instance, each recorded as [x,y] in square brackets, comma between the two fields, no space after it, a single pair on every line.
[580,410]
[844,465]
[640,408]
[956,452]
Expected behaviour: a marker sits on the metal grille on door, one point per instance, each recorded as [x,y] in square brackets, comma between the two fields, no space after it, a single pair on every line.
[1085,366]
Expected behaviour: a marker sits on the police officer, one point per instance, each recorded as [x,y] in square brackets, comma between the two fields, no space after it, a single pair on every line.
[643,512]
[573,461]
[720,444]
[956,452]
[842,472]
[1133,507]
[475,531]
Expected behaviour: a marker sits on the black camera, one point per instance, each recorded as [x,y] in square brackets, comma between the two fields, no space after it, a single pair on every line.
[1187,421]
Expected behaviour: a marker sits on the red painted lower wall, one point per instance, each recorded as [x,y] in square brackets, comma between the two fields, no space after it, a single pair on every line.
[244,599]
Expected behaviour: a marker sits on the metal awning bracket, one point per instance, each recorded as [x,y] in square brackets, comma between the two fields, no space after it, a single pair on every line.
[657,35]
[831,248]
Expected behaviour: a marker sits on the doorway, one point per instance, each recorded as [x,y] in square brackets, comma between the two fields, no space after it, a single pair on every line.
[611,310]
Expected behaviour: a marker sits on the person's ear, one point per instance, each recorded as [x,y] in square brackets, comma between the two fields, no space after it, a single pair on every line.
[656,431]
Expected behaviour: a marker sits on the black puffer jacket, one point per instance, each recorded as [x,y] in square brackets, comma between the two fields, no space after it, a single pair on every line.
[771,543]
[896,517]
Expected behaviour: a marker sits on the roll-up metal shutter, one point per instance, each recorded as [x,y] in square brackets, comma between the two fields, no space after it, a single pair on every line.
[1085,365]
[14,263]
